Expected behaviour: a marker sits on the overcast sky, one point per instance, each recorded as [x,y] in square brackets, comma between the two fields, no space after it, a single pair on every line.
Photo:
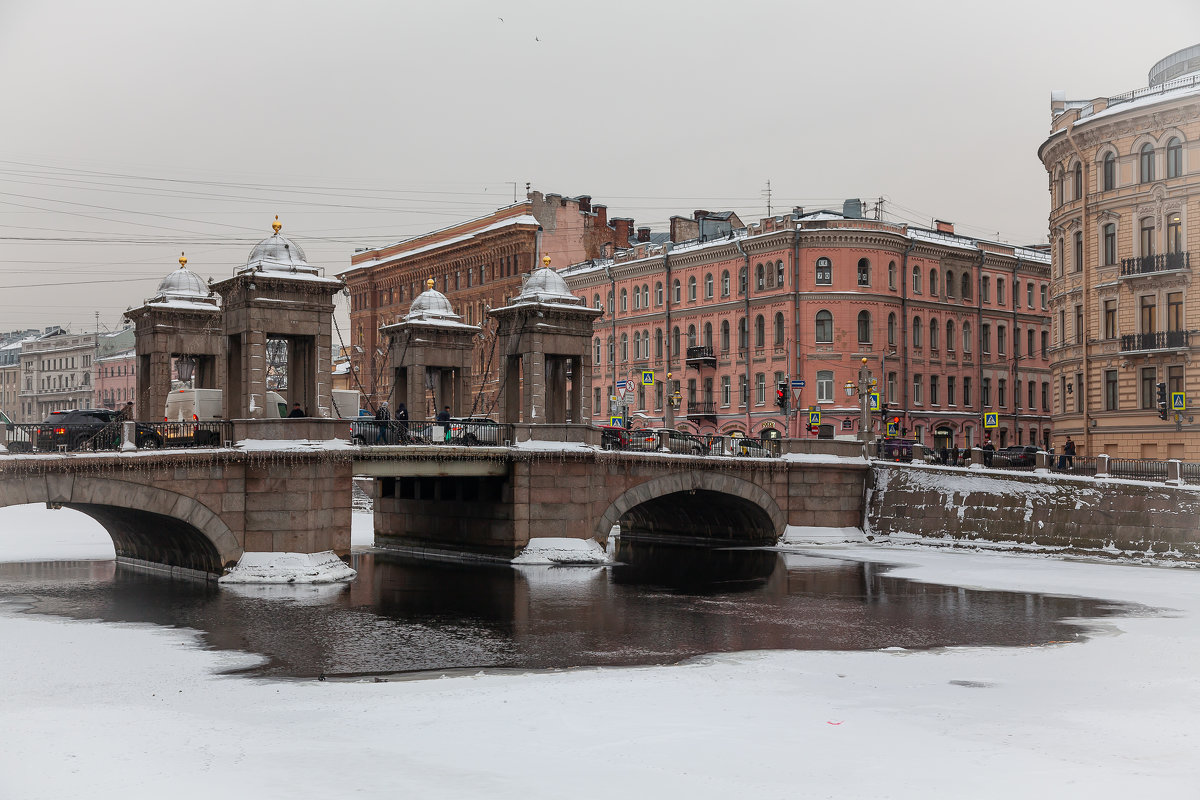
[134,130]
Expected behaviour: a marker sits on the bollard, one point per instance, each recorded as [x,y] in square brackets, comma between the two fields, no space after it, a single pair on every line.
[1102,466]
[664,441]
[128,435]
[977,457]
[1041,461]
[1175,472]
[3,440]
[918,451]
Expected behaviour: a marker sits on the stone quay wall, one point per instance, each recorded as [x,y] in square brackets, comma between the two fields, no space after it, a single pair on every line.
[1061,512]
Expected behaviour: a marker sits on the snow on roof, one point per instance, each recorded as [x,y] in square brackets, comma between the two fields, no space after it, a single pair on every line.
[1152,96]
[523,219]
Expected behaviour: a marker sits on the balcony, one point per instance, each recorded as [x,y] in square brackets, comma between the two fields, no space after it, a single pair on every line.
[1160,340]
[701,408]
[701,356]
[1145,265]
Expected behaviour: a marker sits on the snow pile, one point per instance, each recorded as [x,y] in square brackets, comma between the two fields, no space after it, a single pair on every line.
[552,550]
[815,534]
[323,567]
[551,446]
[293,445]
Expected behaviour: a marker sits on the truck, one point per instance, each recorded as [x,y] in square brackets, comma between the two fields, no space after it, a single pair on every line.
[204,405]
[346,404]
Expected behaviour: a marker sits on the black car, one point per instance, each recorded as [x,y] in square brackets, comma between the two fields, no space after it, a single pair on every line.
[1016,455]
[89,429]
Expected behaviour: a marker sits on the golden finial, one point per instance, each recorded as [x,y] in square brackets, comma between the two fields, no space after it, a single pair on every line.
[276,225]
[182,261]
[546,261]
[429,284]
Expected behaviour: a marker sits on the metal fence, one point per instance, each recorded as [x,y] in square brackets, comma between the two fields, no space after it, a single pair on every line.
[1073,465]
[1138,469]
[468,433]
[72,438]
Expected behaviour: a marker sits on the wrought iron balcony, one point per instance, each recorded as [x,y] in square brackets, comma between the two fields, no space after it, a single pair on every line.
[701,356]
[1143,265]
[1160,340]
[702,408]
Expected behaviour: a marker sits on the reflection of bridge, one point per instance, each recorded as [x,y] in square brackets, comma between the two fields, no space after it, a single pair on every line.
[201,509]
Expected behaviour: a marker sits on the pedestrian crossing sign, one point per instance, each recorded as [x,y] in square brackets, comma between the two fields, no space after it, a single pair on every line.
[647,377]
[874,396]
[1178,401]
[814,417]
[991,420]
[616,422]
[892,429]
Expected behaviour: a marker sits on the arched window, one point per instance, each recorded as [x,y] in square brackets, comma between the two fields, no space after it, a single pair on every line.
[949,284]
[779,273]
[779,329]
[891,329]
[692,289]
[725,283]
[891,274]
[691,335]
[1174,158]
[658,343]
[916,331]
[645,344]
[743,334]
[624,300]
[1146,239]
[724,336]
[966,286]
[597,349]
[708,286]
[595,301]
[824,275]
[645,295]
[1110,244]
[916,280]
[864,272]
[966,337]
[1146,163]
[1110,171]
[824,329]
[637,343]
[658,293]
[933,333]
[742,279]
[675,292]
[708,335]
[637,297]
[864,326]
[933,282]
[760,332]
[624,347]
[760,282]
[675,340]
[1077,181]
[949,334]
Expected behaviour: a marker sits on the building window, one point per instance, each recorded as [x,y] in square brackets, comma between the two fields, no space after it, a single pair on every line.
[933,334]
[724,336]
[1077,249]
[1077,180]
[985,290]
[825,386]
[624,347]
[779,273]
[824,271]
[824,328]
[743,334]
[1079,324]
[864,272]
[760,281]
[1029,294]
[892,275]
[1000,291]
[1110,390]
[726,392]
[916,279]
[692,289]
[1110,319]
[708,286]
[779,329]
[1110,244]
[1174,234]
[949,284]
[965,294]
[987,338]
[597,349]
[891,329]
[864,326]
[637,342]
[1175,379]
[933,283]
[760,388]
[967,392]
[891,386]
[612,351]
[1175,311]
[1147,308]
[1001,339]
[1002,393]
[1149,378]
[1042,288]
[916,337]
[1174,158]
[933,390]
[742,281]
[760,333]
[949,334]
[1146,163]
[676,292]
[743,390]
[1045,343]
[1110,172]
[917,390]
[691,334]
[1029,348]
[624,300]
[950,390]
[708,339]
[658,293]
[987,393]
[658,343]
[1147,237]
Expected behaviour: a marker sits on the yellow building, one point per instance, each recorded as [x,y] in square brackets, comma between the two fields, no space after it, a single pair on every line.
[1125,218]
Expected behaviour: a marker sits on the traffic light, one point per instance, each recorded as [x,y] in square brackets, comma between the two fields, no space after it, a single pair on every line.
[781,398]
[1161,400]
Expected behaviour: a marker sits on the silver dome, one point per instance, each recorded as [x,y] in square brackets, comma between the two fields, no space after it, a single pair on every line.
[279,253]
[183,285]
[431,304]
[546,286]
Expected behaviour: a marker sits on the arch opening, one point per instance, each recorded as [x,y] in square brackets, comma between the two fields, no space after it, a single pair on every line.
[699,514]
[156,538]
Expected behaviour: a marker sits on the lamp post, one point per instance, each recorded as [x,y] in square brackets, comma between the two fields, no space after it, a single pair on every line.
[863,389]
[673,401]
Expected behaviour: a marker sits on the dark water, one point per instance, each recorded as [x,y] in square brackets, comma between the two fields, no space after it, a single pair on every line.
[664,604]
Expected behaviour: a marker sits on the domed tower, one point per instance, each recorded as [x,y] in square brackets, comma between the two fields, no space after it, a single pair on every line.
[545,336]
[278,330]
[430,348]
[177,335]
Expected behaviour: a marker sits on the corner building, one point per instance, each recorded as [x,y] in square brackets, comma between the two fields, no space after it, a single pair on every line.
[951,327]
[1124,179]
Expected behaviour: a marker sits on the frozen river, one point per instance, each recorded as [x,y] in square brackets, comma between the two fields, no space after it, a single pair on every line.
[912,689]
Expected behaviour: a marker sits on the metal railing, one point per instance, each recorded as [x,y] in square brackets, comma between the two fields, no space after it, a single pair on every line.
[701,408]
[1158,340]
[1137,469]
[86,437]
[214,433]
[700,354]
[1073,465]
[462,432]
[1160,262]
[649,440]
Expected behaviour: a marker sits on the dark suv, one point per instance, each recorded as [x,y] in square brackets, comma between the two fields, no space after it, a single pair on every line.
[1017,456]
[89,429]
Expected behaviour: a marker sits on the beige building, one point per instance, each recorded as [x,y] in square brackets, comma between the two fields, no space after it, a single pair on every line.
[1125,218]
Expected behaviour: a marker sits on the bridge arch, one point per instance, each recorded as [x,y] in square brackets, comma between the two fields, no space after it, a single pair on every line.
[145,522]
[717,505]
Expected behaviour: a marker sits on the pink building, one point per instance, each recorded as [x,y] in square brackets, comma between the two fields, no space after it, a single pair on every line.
[954,329]
[116,382]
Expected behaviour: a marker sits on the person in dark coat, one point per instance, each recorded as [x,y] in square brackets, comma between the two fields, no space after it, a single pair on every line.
[988,450]
[382,416]
[444,415]
[1068,455]
[296,412]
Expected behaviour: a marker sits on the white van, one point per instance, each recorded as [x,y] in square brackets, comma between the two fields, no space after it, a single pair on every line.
[204,405]
[346,403]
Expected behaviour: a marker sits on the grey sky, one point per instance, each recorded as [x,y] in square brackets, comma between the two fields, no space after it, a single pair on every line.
[361,123]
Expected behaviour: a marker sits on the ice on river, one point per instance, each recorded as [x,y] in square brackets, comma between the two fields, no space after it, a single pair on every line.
[126,711]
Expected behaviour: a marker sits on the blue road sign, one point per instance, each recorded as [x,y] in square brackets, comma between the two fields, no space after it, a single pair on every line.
[797,384]
[616,422]
[814,418]
[874,398]
[991,420]
[892,429]
[647,377]
[1179,401]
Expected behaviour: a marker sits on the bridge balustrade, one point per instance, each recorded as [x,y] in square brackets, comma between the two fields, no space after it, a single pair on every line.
[33,438]
[460,432]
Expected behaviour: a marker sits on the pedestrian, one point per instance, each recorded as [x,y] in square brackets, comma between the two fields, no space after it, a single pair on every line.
[382,416]
[444,415]
[126,413]
[296,412]
[402,420]
[1069,453]
[988,450]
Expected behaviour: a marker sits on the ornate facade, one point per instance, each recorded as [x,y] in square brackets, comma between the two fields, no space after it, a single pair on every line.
[1124,179]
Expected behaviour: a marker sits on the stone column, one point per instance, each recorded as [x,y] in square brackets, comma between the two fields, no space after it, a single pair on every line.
[1175,472]
[415,393]
[1102,466]
[3,440]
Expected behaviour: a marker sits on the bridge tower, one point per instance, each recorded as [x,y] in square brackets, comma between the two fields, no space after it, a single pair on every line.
[430,348]
[277,304]
[544,336]
[177,332]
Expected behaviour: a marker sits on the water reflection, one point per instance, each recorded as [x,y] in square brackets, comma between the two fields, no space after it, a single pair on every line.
[661,604]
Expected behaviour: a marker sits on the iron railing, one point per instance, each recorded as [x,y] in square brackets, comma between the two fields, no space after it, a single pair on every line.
[1160,262]
[81,437]
[464,432]
[702,408]
[701,355]
[1137,469]
[1158,340]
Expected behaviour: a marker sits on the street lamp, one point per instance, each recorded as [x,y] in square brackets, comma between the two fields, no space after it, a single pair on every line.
[673,401]
[863,389]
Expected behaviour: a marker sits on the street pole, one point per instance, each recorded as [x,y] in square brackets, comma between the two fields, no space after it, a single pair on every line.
[864,408]
[670,403]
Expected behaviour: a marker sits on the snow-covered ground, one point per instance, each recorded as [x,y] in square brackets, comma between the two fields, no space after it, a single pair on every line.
[125,711]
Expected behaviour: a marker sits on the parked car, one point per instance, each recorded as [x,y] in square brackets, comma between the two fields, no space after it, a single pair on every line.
[1016,455]
[745,446]
[473,431]
[613,437]
[90,429]
[678,441]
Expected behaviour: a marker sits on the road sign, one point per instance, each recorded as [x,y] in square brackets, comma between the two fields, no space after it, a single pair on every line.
[892,429]
[991,419]
[621,385]
[814,417]
[874,397]
[647,377]
[797,384]
[616,422]
[1179,401]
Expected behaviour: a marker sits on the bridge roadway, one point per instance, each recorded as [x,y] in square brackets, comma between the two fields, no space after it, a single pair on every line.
[199,510]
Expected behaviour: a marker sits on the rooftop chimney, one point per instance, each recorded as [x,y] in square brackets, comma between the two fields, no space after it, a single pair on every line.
[852,209]
[643,234]
[585,203]
[943,227]
[699,215]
